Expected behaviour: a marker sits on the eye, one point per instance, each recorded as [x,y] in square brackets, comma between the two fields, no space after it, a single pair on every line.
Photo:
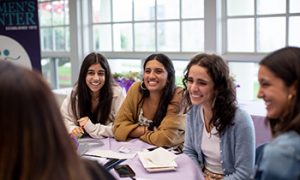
[190,80]
[147,71]
[158,71]
[90,72]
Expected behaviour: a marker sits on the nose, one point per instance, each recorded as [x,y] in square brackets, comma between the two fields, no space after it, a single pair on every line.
[96,76]
[193,87]
[260,93]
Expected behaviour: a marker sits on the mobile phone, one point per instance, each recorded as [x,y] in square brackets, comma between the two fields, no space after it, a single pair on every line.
[124,170]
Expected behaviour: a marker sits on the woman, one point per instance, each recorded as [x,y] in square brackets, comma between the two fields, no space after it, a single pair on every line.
[34,142]
[279,79]
[94,101]
[151,110]
[219,135]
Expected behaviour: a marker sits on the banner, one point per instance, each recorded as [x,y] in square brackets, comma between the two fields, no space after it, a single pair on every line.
[19,33]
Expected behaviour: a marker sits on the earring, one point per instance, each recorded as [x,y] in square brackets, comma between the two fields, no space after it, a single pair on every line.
[290,96]
[143,87]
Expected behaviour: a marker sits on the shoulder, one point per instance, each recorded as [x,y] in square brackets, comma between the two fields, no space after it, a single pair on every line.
[96,171]
[241,116]
[289,141]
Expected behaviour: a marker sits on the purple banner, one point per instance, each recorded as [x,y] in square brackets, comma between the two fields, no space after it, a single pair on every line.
[19,33]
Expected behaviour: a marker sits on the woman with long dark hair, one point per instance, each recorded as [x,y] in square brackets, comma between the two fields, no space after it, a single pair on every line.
[151,110]
[96,98]
[279,79]
[219,135]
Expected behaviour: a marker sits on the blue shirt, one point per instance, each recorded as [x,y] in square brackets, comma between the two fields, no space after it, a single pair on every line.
[281,158]
[237,146]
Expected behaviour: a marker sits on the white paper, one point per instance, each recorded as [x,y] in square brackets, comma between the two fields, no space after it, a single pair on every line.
[158,160]
[110,154]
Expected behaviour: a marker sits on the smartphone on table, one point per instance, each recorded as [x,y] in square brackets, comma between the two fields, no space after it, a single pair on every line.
[124,170]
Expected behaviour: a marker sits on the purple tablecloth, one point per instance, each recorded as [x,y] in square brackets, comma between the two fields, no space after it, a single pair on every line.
[186,169]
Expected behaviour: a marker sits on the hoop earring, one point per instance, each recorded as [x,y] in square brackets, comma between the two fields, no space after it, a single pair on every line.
[143,87]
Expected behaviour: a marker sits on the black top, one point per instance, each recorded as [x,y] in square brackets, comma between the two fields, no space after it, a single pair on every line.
[96,171]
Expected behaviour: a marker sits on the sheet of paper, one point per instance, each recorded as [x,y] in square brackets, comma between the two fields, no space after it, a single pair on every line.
[110,154]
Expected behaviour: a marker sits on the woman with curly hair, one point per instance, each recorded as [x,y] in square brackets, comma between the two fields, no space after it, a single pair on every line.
[219,135]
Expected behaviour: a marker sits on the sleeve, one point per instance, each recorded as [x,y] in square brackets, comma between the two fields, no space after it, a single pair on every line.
[244,149]
[189,141]
[69,120]
[98,130]
[171,130]
[126,118]
[279,163]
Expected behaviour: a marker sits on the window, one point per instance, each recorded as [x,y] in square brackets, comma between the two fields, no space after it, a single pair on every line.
[262,26]
[148,25]
[55,37]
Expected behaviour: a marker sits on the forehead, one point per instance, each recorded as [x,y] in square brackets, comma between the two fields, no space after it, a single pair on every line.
[265,73]
[154,64]
[95,67]
[199,72]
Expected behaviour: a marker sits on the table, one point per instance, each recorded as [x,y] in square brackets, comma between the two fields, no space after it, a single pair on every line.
[186,169]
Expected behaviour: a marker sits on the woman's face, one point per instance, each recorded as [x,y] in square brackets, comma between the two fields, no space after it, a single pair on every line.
[274,92]
[155,76]
[95,78]
[200,86]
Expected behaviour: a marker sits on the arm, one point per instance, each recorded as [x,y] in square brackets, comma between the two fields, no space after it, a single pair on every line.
[171,130]
[191,140]
[126,119]
[244,148]
[69,120]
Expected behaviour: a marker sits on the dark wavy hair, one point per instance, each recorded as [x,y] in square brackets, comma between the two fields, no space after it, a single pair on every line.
[34,141]
[285,64]
[168,90]
[225,103]
[82,91]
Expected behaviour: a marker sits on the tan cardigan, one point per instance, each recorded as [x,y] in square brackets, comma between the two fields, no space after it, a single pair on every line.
[169,133]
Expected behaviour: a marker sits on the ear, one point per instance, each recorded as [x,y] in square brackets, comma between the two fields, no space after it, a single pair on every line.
[293,89]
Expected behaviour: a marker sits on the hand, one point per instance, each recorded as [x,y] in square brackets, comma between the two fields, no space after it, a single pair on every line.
[77,132]
[82,121]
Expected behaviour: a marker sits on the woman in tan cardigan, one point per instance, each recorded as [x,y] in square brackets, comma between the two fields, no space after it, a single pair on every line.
[151,110]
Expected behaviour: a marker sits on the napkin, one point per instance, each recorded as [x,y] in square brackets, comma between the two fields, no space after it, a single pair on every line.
[159,159]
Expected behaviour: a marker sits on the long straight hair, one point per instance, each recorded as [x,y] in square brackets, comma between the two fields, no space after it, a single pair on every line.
[168,90]
[82,91]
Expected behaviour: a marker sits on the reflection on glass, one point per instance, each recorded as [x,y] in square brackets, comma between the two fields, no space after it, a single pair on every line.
[192,8]
[122,10]
[102,40]
[45,14]
[46,39]
[144,9]
[167,9]
[245,76]
[294,6]
[59,38]
[101,11]
[270,33]
[240,35]
[238,7]
[294,29]
[193,36]
[168,38]
[122,37]
[144,37]
[271,6]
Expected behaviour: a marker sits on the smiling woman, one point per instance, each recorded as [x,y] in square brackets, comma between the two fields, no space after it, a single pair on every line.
[94,101]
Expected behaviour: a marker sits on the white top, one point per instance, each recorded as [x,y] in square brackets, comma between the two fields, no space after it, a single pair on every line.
[210,148]
[94,130]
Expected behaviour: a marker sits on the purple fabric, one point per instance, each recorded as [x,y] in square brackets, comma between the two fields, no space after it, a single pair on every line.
[262,132]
